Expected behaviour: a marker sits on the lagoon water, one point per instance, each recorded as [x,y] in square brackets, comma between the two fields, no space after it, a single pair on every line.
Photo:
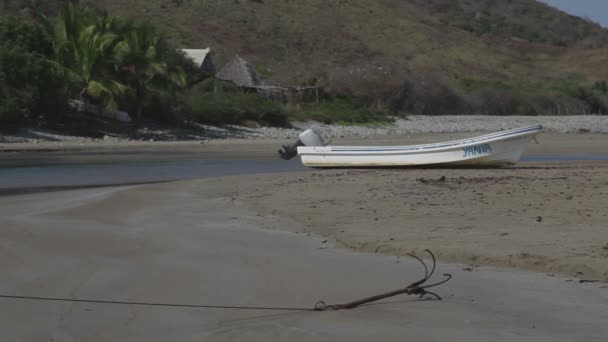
[119,173]
[15,179]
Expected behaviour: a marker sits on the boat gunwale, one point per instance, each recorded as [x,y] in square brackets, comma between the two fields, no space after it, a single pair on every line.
[424,148]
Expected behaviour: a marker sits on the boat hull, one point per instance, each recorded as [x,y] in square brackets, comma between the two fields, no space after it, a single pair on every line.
[497,149]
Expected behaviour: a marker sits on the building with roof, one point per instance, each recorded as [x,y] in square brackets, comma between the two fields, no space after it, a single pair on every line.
[240,73]
[201,58]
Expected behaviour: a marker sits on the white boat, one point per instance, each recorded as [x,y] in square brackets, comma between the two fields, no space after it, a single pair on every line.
[496,149]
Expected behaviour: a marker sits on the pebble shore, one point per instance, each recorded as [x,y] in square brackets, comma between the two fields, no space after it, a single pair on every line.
[413,124]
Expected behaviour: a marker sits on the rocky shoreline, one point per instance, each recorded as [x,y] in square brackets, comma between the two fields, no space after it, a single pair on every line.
[413,124]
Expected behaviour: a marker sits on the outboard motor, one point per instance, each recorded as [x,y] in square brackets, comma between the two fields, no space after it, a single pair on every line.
[307,138]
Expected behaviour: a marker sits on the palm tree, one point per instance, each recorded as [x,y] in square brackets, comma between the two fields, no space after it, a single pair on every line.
[107,57]
[142,59]
[83,47]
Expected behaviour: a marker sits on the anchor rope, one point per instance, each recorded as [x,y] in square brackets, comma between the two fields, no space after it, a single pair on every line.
[418,288]
[175,305]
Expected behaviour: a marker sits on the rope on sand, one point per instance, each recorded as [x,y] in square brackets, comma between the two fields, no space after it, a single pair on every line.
[416,288]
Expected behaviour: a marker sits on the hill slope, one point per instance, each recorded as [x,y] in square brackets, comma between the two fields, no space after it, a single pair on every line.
[529,20]
[387,49]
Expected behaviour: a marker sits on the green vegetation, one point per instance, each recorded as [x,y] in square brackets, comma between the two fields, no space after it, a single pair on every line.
[83,45]
[513,52]
[392,56]
[113,63]
[219,102]
[29,87]
[532,21]
[570,94]
[339,110]
[85,53]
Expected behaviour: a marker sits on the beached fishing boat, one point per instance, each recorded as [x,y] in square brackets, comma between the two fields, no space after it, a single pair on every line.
[496,149]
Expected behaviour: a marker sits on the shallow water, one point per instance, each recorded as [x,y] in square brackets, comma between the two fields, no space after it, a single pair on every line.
[127,172]
[135,172]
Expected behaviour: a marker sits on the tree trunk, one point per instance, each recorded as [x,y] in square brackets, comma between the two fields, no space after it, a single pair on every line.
[139,104]
[84,100]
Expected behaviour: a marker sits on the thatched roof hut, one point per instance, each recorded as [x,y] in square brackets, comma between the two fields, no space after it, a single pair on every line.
[240,72]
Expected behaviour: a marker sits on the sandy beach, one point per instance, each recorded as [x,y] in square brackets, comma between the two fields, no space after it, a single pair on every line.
[517,240]
[546,217]
[543,216]
[303,171]
[186,243]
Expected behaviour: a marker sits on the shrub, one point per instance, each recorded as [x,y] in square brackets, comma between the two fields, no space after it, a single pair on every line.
[426,95]
[504,102]
[20,32]
[12,110]
[231,106]
[28,86]
[162,106]
[341,110]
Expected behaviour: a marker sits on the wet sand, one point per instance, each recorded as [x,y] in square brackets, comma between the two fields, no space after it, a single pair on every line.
[232,241]
[188,243]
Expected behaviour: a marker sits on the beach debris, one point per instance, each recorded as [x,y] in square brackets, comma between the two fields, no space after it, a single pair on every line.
[441,179]
[582,281]
[471,268]
[539,219]
[417,288]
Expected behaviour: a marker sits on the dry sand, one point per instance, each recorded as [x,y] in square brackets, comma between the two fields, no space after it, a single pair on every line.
[546,217]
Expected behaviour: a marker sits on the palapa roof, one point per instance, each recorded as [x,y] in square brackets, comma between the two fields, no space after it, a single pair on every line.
[239,72]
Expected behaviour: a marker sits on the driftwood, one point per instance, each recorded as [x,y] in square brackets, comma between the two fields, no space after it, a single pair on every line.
[117,115]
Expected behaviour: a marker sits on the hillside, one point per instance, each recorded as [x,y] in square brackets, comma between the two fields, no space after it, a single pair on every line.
[463,55]
[524,19]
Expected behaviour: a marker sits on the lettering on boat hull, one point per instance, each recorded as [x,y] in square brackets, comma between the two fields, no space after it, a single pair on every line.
[477,150]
